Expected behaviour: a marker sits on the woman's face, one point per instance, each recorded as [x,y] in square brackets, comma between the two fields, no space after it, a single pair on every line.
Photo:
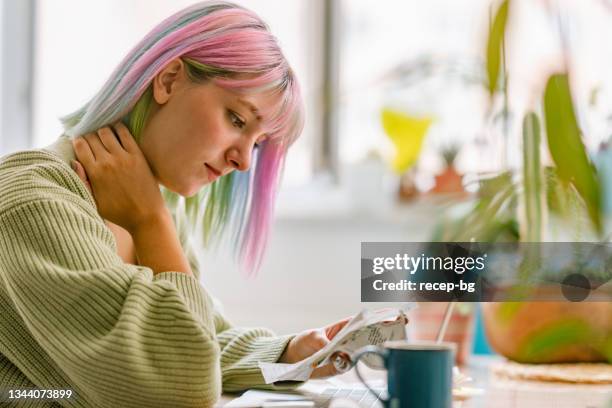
[196,133]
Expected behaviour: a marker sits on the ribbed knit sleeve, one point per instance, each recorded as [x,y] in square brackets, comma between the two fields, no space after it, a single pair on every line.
[241,348]
[123,336]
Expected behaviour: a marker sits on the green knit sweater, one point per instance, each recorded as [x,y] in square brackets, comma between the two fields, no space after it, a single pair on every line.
[74,316]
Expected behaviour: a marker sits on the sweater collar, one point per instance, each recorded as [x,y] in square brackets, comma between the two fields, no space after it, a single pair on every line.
[62,147]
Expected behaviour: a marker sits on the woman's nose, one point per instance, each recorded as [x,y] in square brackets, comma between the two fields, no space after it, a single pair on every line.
[239,158]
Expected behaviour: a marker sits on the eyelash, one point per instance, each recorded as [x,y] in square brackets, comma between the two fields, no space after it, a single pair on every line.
[236,121]
[239,123]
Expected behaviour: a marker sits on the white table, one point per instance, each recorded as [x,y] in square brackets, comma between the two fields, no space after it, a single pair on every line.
[505,393]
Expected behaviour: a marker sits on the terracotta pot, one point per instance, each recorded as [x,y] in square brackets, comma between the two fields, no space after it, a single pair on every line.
[550,332]
[449,181]
[425,321]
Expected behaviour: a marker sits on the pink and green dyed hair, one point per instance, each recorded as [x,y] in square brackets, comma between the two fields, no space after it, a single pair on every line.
[233,47]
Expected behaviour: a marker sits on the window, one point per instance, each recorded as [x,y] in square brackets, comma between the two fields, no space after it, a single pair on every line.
[16,22]
[426,58]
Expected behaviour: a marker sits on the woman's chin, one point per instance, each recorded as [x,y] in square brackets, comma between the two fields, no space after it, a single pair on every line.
[186,190]
[190,192]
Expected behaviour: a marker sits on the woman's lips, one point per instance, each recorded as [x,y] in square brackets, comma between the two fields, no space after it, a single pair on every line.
[212,172]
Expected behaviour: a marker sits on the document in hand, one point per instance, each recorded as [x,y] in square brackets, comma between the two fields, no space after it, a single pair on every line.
[365,328]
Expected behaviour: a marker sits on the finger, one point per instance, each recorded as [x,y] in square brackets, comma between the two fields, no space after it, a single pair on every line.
[109,140]
[80,171]
[333,329]
[312,343]
[327,370]
[319,341]
[83,152]
[125,137]
[96,146]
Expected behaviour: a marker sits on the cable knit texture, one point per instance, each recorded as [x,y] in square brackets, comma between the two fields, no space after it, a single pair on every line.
[74,316]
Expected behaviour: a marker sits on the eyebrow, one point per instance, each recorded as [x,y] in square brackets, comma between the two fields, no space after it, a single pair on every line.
[252,107]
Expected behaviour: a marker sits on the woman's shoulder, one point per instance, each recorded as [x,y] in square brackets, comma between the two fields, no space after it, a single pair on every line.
[37,174]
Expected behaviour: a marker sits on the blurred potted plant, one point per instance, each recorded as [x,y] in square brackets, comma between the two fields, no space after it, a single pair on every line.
[449,181]
[407,133]
[407,130]
[519,207]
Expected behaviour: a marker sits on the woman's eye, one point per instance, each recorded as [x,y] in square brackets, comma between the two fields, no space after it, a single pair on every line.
[236,121]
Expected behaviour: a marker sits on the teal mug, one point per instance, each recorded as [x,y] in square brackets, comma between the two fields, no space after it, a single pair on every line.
[419,375]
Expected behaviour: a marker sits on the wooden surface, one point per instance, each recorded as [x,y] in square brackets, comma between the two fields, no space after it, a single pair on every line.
[505,393]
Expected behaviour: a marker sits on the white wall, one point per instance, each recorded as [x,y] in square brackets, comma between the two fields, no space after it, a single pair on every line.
[311,275]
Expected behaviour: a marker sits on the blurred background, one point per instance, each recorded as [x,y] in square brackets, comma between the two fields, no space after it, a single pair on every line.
[399,119]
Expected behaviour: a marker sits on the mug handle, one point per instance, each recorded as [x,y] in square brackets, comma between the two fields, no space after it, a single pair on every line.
[370,350]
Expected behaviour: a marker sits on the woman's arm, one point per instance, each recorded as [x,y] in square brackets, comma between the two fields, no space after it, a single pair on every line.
[119,334]
[157,245]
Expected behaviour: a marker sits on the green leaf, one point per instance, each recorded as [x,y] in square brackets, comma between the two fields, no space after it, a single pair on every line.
[533,192]
[490,218]
[566,147]
[494,45]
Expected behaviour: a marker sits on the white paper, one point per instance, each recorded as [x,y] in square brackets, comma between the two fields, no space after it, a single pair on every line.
[256,398]
[363,329]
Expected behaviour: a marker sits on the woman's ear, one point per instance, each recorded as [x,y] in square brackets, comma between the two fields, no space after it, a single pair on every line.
[167,81]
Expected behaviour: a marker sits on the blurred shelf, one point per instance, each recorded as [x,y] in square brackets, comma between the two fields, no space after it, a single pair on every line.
[336,204]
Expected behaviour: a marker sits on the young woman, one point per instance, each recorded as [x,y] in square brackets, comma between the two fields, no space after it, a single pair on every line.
[99,291]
